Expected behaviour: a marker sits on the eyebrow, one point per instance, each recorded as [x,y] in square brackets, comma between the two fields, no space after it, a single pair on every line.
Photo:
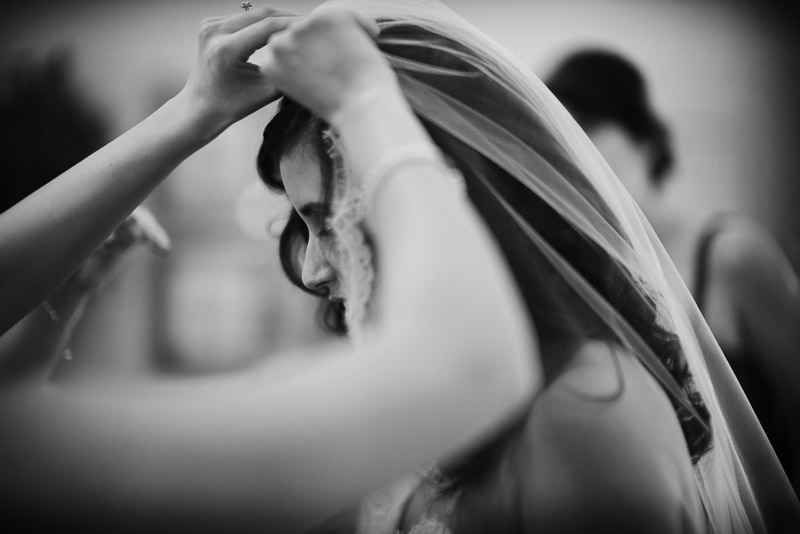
[313,208]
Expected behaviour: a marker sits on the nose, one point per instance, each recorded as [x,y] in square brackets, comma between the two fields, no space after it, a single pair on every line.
[317,271]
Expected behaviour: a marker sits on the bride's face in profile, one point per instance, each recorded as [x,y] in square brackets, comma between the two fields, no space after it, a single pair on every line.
[305,188]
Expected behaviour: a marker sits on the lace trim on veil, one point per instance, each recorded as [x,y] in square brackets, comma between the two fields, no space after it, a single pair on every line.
[355,253]
[349,209]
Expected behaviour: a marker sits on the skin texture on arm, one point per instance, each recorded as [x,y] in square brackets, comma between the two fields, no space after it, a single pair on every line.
[48,234]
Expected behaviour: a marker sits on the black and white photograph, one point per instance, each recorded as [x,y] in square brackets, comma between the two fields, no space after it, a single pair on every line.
[400,266]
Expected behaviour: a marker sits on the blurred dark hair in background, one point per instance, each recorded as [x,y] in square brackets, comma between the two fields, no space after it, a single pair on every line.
[46,124]
[600,86]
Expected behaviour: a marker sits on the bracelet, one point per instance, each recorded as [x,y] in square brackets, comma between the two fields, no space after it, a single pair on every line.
[396,158]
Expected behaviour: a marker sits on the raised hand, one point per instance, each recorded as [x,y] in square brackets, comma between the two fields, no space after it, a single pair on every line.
[224,86]
[328,61]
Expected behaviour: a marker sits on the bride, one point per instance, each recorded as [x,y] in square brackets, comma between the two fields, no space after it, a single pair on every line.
[520,359]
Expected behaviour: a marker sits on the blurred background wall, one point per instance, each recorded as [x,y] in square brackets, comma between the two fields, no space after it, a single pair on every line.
[723,75]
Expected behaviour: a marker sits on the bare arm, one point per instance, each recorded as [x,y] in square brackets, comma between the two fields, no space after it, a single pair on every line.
[451,357]
[48,234]
[765,293]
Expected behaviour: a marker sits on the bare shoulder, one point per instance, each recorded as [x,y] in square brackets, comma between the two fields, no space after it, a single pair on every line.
[606,451]
[606,394]
[746,250]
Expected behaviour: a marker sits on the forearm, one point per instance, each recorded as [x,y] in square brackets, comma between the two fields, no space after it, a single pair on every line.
[45,237]
[767,293]
[443,285]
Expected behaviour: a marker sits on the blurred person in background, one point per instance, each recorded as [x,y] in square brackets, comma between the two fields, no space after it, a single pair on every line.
[738,274]
[46,127]
[523,332]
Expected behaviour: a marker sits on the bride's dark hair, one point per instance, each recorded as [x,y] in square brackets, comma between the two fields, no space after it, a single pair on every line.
[556,311]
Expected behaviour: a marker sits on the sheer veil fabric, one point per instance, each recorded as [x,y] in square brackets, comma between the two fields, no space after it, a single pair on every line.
[741,483]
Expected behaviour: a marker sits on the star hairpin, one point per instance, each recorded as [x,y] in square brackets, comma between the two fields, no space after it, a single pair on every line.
[246,6]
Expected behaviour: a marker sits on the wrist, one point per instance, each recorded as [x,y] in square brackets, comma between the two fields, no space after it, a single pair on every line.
[197,124]
[374,122]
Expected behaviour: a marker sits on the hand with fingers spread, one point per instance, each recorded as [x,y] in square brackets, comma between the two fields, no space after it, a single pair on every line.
[224,86]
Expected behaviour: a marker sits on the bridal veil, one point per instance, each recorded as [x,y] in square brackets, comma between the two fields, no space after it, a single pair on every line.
[740,481]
